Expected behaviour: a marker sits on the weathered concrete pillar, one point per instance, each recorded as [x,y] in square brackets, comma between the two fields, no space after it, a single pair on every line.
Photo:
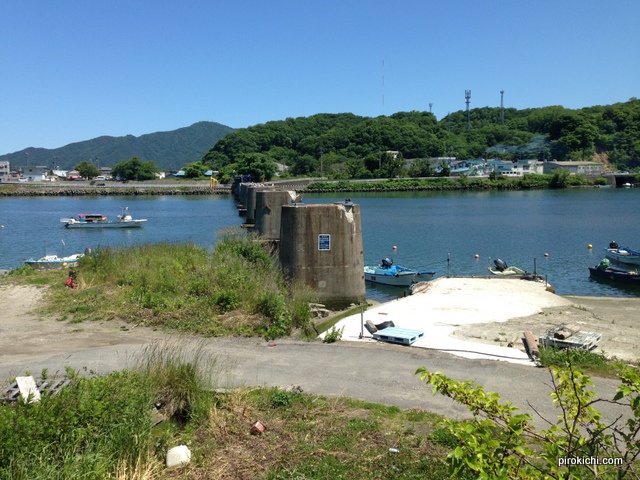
[242,198]
[269,211]
[321,245]
[250,204]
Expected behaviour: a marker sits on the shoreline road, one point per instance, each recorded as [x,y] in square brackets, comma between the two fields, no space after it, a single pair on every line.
[370,371]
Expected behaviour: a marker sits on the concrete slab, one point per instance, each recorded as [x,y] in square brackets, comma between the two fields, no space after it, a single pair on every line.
[449,303]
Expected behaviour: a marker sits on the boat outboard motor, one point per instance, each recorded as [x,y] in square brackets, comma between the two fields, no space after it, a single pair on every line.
[500,265]
[387,262]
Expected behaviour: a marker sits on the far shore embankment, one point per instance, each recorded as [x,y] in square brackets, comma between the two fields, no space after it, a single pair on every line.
[105,188]
[73,189]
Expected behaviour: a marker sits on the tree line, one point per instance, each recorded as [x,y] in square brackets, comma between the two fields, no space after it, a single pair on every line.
[347,146]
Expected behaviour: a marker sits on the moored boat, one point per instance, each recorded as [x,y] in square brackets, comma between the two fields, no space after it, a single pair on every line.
[623,255]
[389,274]
[604,271]
[53,262]
[95,220]
[502,269]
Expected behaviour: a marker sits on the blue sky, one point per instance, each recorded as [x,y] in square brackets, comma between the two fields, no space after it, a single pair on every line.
[75,70]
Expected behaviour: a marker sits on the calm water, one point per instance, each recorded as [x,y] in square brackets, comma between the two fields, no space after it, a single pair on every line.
[427,229]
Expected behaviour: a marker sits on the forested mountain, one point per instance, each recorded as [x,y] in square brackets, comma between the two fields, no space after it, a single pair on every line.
[349,146]
[168,150]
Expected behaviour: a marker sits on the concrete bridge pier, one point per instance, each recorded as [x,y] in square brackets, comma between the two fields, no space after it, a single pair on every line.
[321,246]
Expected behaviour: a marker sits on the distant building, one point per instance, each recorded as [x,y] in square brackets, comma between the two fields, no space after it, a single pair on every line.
[574,168]
[36,174]
[5,172]
[530,165]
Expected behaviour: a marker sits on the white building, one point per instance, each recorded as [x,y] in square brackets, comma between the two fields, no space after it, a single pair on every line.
[5,171]
[35,174]
[582,168]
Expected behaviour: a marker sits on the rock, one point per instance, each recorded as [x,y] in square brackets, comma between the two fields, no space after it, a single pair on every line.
[178,456]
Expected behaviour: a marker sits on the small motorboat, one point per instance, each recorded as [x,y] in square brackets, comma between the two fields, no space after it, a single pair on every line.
[605,271]
[53,262]
[502,269]
[96,220]
[389,274]
[622,254]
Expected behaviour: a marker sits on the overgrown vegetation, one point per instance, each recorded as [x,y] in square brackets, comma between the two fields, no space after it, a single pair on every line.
[237,289]
[121,425]
[501,443]
[106,427]
[587,361]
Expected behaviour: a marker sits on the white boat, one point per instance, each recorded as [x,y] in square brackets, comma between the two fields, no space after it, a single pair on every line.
[507,272]
[53,262]
[502,269]
[389,274]
[95,220]
[623,255]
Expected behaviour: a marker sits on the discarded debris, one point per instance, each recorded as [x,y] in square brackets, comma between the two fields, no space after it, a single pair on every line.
[28,389]
[257,428]
[516,337]
[565,331]
[12,393]
[178,456]
[558,338]
[531,345]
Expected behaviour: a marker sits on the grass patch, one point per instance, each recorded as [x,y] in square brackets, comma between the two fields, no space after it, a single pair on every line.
[105,427]
[235,289]
[587,361]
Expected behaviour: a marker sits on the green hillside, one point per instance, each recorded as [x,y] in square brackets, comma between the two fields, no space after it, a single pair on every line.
[344,146]
[169,150]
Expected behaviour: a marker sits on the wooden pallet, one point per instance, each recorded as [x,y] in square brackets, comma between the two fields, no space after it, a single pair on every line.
[51,387]
[403,336]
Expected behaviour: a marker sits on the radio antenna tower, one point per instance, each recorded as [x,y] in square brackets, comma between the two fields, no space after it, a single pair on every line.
[501,107]
[430,105]
[382,87]
[467,96]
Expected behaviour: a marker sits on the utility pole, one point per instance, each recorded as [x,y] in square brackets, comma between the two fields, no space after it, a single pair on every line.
[467,96]
[430,105]
[501,107]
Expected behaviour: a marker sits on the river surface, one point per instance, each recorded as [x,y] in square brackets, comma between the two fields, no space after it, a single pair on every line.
[548,231]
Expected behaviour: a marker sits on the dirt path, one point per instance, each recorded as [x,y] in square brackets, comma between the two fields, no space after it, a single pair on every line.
[617,319]
[24,336]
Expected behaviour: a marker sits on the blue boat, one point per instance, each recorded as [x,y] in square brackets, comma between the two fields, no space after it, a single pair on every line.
[604,271]
[53,262]
[389,274]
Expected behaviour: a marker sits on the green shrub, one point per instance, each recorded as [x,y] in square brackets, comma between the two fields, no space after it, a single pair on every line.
[333,335]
